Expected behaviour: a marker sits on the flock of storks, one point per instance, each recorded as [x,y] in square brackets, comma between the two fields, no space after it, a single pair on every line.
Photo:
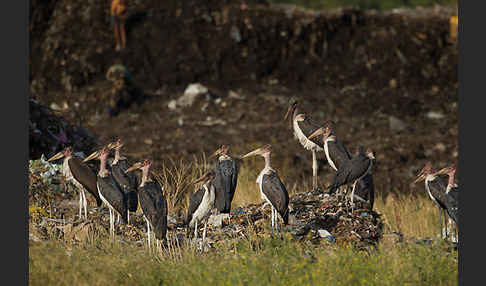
[117,186]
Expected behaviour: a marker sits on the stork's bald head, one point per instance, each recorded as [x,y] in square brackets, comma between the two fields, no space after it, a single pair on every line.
[301,117]
[68,151]
[262,151]
[224,149]
[426,170]
[370,153]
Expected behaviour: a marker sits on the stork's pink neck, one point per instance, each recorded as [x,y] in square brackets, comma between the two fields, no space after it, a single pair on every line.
[103,170]
[268,160]
[145,175]
[451,178]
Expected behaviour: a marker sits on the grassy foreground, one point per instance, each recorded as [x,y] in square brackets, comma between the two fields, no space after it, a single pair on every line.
[275,262]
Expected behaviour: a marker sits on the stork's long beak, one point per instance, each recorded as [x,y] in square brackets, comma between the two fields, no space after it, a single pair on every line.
[443,171]
[420,177]
[317,133]
[93,155]
[253,153]
[204,177]
[57,156]
[134,167]
[112,145]
[289,110]
[216,153]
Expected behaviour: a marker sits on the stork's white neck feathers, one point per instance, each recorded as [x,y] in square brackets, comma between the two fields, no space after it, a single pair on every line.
[224,157]
[304,141]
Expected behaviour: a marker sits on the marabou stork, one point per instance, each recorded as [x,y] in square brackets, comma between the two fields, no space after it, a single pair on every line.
[353,170]
[336,153]
[127,181]
[225,180]
[81,175]
[436,189]
[302,125]
[109,190]
[152,201]
[452,191]
[202,203]
[272,190]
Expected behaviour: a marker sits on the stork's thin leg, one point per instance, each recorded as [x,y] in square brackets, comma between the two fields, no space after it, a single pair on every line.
[352,196]
[80,203]
[195,230]
[128,216]
[85,205]
[445,224]
[148,232]
[111,223]
[276,221]
[314,170]
[204,232]
[440,219]
[273,221]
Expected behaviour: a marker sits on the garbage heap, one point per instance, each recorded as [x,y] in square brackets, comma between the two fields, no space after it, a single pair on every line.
[50,133]
[314,217]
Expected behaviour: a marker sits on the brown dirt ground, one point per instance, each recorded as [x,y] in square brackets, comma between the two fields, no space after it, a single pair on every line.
[354,68]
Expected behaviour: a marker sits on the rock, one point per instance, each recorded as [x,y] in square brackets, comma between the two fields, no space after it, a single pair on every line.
[55,107]
[235,34]
[234,94]
[440,147]
[172,105]
[396,124]
[434,115]
[216,221]
[190,94]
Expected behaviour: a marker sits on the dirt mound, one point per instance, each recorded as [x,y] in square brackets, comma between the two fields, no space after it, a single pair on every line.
[176,43]
[50,133]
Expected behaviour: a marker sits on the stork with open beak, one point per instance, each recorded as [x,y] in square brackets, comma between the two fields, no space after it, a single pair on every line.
[272,190]
[436,189]
[201,203]
[353,170]
[152,201]
[452,193]
[302,125]
[225,180]
[127,181]
[109,190]
[81,175]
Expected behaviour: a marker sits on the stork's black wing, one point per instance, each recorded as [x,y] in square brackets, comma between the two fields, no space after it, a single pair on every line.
[126,185]
[154,207]
[85,176]
[194,203]
[276,192]
[225,183]
[339,154]
[454,193]
[350,171]
[132,176]
[437,188]
[113,194]
[365,189]
[308,127]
